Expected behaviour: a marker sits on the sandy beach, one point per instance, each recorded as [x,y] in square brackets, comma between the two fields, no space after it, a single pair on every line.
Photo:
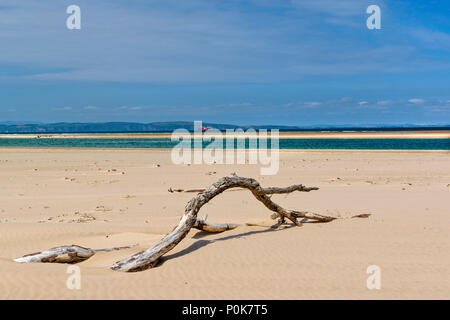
[105,198]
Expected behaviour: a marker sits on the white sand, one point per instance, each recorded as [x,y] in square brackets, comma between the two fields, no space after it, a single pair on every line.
[58,197]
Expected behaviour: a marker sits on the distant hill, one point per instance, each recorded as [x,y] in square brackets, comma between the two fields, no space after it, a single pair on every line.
[111,127]
[124,127]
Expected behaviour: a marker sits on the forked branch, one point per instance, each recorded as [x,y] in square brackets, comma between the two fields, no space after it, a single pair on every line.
[149,258]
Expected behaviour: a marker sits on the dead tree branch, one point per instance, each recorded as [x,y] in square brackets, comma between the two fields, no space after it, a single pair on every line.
[149,258]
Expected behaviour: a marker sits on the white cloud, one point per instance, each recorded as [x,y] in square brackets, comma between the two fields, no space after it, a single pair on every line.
[433,39]
[416,100]
[313,104]
[243,104]
[156,42]
[302,105]
[63,109]
[384,102]
[340,8]
[135,108]
[90,108]
[362,103]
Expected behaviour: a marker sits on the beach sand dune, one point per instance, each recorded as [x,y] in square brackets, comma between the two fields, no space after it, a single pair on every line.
[107,198]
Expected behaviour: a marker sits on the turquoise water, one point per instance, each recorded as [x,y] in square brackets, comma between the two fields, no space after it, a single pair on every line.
[160,143]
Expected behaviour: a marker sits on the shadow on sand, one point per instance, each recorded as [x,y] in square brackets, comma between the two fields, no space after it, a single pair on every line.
[203,243]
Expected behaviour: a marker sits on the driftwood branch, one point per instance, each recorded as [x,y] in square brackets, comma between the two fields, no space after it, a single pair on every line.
[182,190]
[307,215]
[64,254]
[204,225]
[75,253]
[149,258]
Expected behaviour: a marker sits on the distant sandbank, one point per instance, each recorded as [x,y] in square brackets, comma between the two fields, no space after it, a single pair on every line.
[438,134]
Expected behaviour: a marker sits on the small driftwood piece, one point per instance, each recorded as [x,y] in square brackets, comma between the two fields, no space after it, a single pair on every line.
[203,225]
[75,253]
[149,258]
[307,215]
[182,190]
[64,254]
[364,215]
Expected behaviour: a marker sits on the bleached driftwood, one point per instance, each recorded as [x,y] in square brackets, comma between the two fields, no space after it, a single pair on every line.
[204,225]
[149,258]
[75,253]
[182,190]
[64,254]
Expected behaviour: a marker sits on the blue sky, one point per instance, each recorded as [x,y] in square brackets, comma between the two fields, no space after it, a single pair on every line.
[291,62]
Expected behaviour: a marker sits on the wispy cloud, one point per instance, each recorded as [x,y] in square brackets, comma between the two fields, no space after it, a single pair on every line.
[67,108]
[344,8]
[90,108]
[312,104]
[132,108]
[432,38]
[416,100]
[242,104]
[224,61]
[200,41]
